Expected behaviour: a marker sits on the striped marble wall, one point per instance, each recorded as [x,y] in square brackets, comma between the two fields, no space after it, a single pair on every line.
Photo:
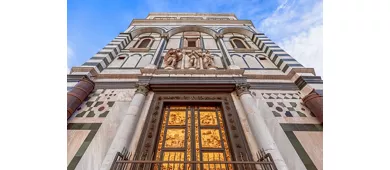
[277,55]
[106,55]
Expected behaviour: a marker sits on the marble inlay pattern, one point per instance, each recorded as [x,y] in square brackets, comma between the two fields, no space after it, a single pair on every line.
[284,104]
[88,118]
[98,104]
[280,95]
[286,108]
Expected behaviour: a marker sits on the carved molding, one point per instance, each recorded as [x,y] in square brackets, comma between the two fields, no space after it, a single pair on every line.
[90,70]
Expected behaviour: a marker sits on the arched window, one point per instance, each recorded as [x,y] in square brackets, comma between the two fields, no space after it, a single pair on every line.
[144,43]
[238,43]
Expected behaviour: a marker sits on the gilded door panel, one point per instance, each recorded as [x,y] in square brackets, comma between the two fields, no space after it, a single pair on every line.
[194,133]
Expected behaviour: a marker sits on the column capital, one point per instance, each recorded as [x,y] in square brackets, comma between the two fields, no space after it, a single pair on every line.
[142,88]
[242,88]
[164,35]
[219,35]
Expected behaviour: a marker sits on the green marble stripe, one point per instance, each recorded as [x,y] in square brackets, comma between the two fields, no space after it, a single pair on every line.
[301,151]
[301,127]
[289,128]
[93,127]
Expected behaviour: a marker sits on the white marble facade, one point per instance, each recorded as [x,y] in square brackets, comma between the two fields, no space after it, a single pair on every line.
[129,54]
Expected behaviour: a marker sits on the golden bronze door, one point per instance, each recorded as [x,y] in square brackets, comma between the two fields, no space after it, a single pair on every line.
[192,133]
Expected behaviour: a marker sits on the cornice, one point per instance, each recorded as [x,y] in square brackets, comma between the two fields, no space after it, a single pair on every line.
[151,21]
[189,14]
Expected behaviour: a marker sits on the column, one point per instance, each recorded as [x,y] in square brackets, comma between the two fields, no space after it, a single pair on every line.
[259,128]
[126,128]
[77,95]
[226,53]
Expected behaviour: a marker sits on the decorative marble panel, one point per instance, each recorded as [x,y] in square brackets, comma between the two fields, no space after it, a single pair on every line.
[173,43]
[251,61]
[239,61]
[117,63]
[286,104]
[155,44]
[132,61]
[210,43]
[145,60]
[287,114]
[88,123]
[99,103]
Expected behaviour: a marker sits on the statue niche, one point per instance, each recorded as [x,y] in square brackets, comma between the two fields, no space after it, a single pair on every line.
[172,58]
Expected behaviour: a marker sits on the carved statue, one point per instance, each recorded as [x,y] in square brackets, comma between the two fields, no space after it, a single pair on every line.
[171,58]
[208,60]
[194,60]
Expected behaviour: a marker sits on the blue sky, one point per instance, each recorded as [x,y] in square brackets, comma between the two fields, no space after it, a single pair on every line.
[295,25]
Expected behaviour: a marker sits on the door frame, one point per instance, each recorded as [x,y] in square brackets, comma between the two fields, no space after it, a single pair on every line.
[235,135]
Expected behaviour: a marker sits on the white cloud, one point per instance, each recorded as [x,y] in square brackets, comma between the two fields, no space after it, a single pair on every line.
[306,48]
[296,26]
[70,56]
